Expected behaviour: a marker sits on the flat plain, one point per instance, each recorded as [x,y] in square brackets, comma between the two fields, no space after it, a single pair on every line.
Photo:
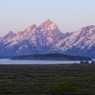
[59,79]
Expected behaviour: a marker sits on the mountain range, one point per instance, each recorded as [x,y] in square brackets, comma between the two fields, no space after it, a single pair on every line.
[47,38]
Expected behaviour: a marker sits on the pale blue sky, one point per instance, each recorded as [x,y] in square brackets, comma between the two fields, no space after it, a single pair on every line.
[68,15]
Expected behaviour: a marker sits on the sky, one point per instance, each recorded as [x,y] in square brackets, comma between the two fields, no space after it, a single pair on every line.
[68,15]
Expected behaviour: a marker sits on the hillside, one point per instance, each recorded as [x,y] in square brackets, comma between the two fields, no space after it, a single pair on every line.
[50,57]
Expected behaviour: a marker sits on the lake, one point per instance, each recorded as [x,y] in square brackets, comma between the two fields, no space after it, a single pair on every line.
[8,61]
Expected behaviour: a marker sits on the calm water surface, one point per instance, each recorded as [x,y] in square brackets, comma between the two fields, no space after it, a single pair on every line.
[8,61]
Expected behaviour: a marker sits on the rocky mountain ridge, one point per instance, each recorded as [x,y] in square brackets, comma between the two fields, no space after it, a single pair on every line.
[47,38]
[81,42]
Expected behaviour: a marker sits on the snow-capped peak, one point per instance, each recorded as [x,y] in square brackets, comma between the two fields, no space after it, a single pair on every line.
[10,32]
[48,20]
[47,38]
[45,24]
[52,26]
[10,35]
[31,28]
[89,27]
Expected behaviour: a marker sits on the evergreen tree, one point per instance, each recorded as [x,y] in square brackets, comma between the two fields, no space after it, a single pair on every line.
[93,62]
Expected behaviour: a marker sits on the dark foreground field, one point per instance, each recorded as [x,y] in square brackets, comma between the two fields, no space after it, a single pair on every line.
[75,79]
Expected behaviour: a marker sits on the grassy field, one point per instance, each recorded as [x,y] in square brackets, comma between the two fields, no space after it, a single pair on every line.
[62,79]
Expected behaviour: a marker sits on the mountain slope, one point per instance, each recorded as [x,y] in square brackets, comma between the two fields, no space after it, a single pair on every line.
[47,38]
[81,42]
[50,31]
[30,41]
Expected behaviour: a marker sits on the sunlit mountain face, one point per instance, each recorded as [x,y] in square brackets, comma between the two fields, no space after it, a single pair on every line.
[47,38]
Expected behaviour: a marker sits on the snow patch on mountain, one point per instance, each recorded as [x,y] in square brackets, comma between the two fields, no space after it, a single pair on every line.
[51,26]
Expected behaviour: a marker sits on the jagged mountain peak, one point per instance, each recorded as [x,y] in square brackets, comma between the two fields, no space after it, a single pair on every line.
[30,28]
[86,31]
[50,30]
[48,20]
[47,38]
[8,36]
[89,27]
[10,32]
[46,23]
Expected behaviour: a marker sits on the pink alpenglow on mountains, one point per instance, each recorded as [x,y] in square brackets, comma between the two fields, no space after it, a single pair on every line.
[47,38]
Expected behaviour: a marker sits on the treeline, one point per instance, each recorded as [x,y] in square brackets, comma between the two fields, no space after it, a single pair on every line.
[55,56]
[86,62]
